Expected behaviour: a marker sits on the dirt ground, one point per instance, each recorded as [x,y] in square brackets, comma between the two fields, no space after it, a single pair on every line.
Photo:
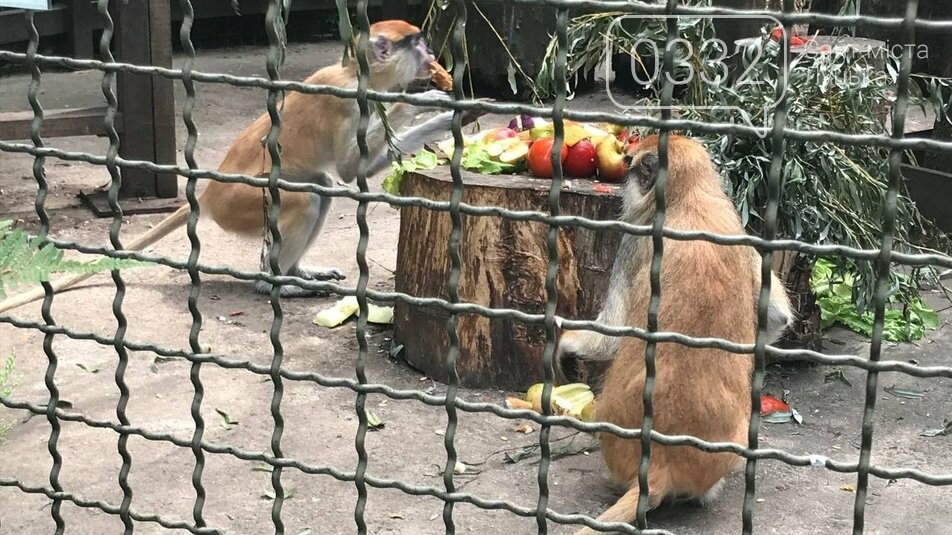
[320,422]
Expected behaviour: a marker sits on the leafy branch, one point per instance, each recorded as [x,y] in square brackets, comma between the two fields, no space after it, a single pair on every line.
[28,259]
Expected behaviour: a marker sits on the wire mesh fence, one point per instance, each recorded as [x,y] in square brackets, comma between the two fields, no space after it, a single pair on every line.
[450,494]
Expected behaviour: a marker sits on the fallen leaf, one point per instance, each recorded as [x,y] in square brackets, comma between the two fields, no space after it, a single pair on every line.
[847,488]
[86,368]
[837,375]
[227,420]
[904,392]
[515,457]
[234,313]
[938,432]
[373,421]
[524,428]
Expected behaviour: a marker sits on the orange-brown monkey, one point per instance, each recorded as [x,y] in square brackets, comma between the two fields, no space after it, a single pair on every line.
[706,291]
[318,143]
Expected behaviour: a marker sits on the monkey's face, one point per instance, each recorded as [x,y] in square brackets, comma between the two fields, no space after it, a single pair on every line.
[406,59]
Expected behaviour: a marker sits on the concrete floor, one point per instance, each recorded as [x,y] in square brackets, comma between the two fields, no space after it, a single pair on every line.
[320,422]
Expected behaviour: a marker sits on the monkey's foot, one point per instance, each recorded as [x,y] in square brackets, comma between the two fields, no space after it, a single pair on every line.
[314,275]
[264,287]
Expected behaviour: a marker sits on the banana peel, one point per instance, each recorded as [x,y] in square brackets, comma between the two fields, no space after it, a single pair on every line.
[575,400]
[347,307]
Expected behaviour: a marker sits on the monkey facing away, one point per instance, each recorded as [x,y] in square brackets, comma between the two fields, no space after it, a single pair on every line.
[318,141]
[707,290]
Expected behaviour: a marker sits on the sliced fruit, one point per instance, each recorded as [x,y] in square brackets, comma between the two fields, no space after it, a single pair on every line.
[497,134]
[611,161]
[334,316]
[575,399]
[515,154]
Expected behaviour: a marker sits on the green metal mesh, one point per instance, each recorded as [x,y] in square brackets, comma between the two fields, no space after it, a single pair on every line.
[276,19]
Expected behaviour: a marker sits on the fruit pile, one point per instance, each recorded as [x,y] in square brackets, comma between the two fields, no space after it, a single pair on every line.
[588,151]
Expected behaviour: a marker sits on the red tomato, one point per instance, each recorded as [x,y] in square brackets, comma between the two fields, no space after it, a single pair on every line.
[540,157]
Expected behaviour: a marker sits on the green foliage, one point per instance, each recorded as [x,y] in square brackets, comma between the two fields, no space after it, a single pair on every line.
[422,160]
[831,194]
[26,259]
[476,158]
[588,36]
[834,288]
[7,382]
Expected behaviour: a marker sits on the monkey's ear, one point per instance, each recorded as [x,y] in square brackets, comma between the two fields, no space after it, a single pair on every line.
[645,171]
[382,48]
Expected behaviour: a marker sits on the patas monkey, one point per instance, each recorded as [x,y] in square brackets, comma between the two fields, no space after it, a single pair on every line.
[318,143]
[706,291]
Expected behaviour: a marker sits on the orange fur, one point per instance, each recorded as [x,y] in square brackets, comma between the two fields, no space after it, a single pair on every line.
[705,292]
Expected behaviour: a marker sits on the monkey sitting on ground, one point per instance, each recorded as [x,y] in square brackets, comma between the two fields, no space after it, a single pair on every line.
[707,290]
[318,141]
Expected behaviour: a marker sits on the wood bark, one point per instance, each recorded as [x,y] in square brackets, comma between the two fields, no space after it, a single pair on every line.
[503,265]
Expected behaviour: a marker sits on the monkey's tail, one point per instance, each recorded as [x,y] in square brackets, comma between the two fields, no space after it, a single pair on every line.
[156,233]
[624,509]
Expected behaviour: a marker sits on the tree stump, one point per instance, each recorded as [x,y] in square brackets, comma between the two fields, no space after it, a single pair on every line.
[503,265]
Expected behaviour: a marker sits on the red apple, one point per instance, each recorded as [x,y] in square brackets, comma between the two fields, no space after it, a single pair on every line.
[540,157]
[580,161]
[611,160]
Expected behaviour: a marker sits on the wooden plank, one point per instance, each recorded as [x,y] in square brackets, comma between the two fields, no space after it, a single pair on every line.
[56,123]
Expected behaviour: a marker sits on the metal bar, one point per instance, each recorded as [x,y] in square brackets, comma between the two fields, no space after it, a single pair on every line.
[363,82]
[198,389]
[882,276]
[458,50]
[115,184]
[657,253]
[42,190]
[275,28]
[774,181]
[551,269]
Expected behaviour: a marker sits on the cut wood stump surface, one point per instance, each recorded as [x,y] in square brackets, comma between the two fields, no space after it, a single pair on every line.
[502,265]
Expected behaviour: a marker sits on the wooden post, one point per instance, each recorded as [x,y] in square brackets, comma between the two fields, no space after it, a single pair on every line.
[143,37]
[82,22]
